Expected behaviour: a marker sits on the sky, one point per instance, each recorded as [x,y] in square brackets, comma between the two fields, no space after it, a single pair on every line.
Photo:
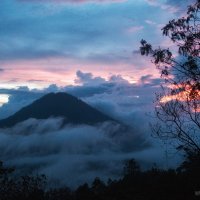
[90,49]
[47,42]
[50,41]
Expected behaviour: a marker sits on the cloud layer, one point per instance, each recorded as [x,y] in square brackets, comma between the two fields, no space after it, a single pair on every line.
[50,42]
[74,154]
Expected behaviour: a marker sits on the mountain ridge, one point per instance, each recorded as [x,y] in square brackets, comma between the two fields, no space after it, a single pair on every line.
[72,109]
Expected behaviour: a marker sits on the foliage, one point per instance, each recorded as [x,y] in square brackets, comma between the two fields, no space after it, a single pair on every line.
[131,168]
[154,184]
[178,105]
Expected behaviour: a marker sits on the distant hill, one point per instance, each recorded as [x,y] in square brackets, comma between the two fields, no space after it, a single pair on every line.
[72,109]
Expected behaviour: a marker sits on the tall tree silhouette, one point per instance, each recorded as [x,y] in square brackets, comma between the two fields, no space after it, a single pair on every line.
[178,105]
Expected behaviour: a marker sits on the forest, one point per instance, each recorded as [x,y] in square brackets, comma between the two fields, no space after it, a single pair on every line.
[154,184]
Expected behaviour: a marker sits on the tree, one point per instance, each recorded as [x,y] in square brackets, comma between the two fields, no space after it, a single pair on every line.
[177,107]
[131,168]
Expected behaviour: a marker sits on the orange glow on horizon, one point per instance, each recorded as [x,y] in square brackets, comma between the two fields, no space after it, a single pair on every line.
[181,96]
[184,96]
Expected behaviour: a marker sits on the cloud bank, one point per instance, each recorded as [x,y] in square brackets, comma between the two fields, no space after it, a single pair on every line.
[71,155]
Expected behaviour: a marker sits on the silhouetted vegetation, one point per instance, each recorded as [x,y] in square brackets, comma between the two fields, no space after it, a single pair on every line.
[178,105]
[134,184]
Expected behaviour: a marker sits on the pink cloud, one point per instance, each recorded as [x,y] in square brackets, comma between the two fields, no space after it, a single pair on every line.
[63,71]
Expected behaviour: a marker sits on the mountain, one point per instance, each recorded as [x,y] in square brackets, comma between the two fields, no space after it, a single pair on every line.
[72,109]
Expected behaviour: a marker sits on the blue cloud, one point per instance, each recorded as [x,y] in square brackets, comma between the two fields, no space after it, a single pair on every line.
[90,32]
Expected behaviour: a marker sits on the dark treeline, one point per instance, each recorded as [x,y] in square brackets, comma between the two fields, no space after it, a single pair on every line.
[181,183]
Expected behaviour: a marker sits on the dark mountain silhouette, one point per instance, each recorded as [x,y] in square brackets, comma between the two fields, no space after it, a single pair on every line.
[72,109]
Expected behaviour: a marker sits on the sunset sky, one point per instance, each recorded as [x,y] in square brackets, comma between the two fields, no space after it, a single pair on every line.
[72,43]
[48,41]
